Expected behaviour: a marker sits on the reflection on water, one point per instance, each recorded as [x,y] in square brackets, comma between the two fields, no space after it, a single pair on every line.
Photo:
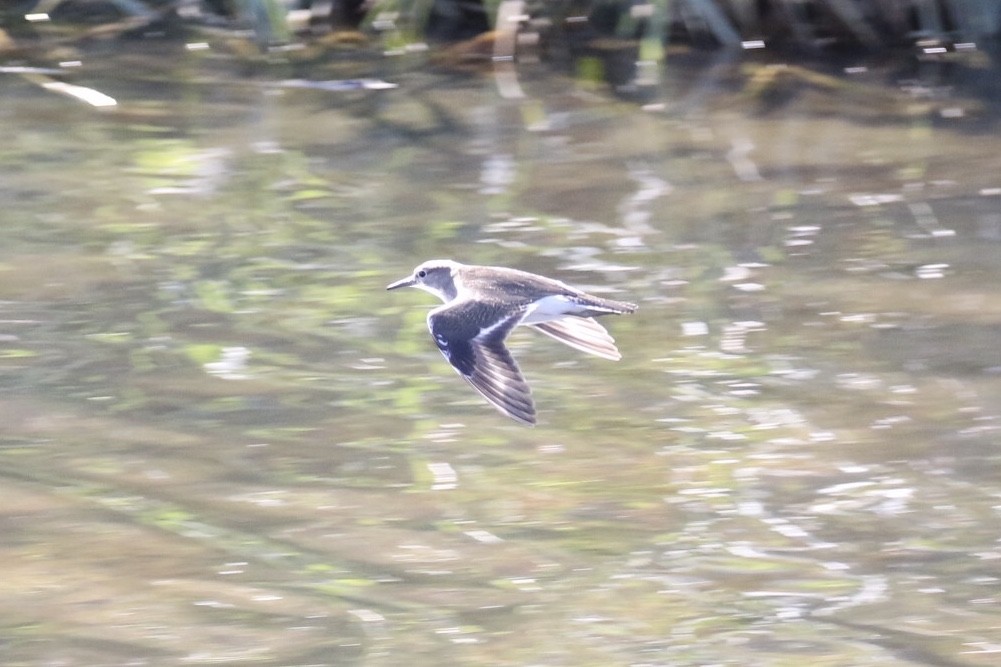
[225,443]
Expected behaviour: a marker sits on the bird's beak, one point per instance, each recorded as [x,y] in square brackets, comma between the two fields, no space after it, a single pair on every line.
[405,282]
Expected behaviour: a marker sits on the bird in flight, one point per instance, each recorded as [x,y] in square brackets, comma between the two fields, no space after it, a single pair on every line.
[483,304]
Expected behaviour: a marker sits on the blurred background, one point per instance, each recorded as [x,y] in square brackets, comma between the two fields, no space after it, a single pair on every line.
[223,442]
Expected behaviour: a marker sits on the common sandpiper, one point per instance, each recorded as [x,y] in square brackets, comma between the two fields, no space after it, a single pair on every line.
[484,303]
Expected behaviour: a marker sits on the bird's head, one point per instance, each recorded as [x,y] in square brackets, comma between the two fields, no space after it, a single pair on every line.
[436,276]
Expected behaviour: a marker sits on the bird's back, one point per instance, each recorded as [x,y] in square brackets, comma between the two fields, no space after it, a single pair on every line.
[514,287]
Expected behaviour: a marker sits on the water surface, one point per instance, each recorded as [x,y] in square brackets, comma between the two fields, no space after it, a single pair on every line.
[225,443]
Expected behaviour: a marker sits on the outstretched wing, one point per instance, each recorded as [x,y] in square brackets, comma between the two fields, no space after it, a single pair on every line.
[581,333]
[472,339]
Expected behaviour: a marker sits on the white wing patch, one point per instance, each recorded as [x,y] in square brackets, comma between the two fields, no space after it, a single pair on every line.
[550,308]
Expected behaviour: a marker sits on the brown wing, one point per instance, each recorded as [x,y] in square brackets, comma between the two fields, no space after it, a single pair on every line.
[477,352]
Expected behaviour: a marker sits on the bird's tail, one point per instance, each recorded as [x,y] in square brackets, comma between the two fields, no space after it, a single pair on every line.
[602,306]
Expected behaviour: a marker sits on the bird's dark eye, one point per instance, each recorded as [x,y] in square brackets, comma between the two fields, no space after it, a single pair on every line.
[422,273]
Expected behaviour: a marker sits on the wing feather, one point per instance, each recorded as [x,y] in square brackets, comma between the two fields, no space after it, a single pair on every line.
[478,354]
[581,333]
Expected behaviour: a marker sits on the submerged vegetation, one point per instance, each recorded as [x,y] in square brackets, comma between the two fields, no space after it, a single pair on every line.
[616,42]
[542,26]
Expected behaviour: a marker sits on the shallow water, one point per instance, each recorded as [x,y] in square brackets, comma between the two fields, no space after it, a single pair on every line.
[225,443]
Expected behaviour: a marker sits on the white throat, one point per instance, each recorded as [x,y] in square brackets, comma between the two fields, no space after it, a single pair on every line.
[430,289]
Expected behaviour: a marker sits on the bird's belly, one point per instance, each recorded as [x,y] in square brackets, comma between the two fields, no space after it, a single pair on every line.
[551,308]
